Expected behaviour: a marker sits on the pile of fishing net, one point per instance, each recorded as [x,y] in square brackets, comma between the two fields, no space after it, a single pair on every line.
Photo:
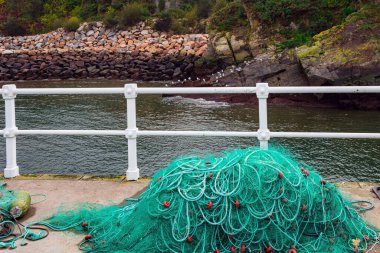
[247,200]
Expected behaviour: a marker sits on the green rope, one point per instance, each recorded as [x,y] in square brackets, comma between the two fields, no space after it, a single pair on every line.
[363,209]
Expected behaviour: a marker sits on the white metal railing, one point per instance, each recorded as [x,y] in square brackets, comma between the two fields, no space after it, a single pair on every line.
[130,91]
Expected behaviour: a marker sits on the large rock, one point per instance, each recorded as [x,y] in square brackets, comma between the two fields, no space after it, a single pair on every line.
[281,71]
[222,48]
[230,48]
[240,49]
[347,53]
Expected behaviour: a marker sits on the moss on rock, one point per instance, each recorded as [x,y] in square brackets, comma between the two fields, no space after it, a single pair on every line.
[352,45]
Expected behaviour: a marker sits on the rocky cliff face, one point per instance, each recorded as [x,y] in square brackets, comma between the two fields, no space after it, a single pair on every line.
[348,54]
[345,54]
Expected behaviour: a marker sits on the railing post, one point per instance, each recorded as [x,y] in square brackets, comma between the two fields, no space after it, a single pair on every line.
[9,95]
[130,92]
[262,93]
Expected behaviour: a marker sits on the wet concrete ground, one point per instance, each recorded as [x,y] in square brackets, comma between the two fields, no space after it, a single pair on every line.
[74,190]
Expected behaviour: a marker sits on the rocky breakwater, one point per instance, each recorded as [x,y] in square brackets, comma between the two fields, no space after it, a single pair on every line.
[94,51]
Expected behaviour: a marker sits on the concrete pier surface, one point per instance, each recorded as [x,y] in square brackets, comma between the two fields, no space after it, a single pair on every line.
[103,190]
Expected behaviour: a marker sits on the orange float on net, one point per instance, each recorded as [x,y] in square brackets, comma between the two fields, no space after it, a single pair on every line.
[166,204]
[268,249]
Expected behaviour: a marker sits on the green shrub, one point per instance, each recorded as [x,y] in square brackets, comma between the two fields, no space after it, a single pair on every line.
[177,13]
[347,11]
[161,5]
[109,18]
[320,20]
[177,27]
[72,24]
[117,4]
[296,38]
[132,14]
[203,8]
[225,19]
[219,4]
[32,10]
[149,5]
[163,23]
[51,22]
[76,11]
[88,9]
[191,17]
[13,27]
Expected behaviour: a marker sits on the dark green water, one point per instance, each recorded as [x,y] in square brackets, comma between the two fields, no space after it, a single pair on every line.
[335,159]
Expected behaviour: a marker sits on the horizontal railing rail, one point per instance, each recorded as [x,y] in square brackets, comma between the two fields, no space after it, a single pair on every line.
[197,90]
[330,135]
[130,91]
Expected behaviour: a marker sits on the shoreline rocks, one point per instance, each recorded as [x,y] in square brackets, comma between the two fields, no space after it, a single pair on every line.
[94,51]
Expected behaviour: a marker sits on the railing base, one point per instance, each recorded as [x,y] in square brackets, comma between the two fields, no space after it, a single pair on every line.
[11,172]
[133,175]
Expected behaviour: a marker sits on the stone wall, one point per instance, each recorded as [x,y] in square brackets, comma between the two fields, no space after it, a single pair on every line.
[94,51]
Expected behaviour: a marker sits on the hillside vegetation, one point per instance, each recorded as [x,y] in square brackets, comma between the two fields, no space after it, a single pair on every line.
[290,22]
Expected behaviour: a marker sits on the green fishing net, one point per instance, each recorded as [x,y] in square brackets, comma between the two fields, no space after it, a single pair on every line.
[6,198]
[247,200]
[6,223]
